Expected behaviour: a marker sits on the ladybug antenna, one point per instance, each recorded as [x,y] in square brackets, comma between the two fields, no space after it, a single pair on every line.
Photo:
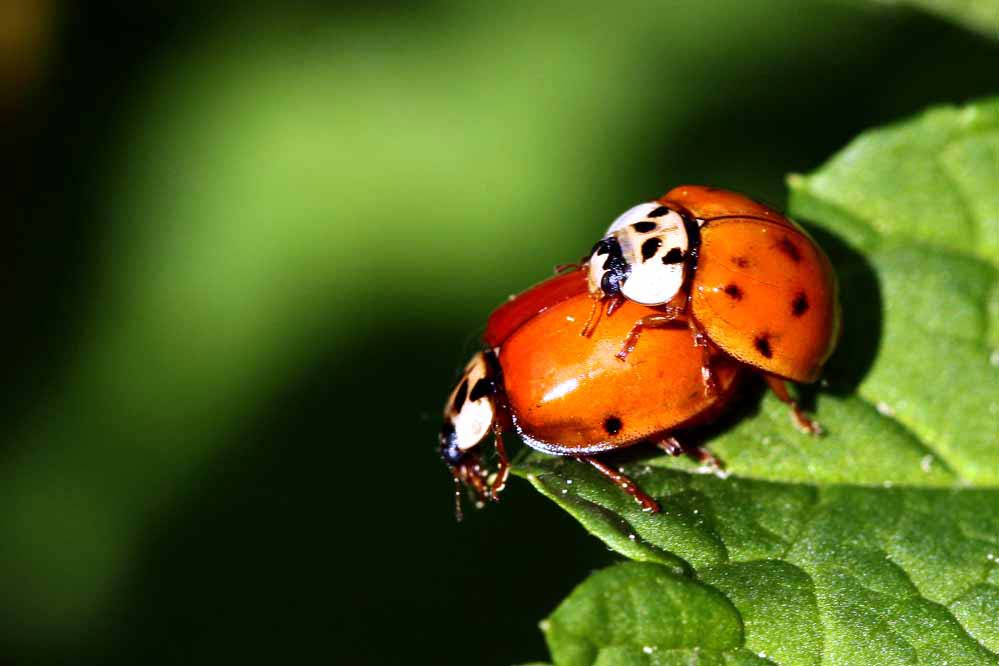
[737,217]
[566,268]
[459,515]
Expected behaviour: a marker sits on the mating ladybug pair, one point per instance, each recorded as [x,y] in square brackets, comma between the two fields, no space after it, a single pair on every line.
[649,334]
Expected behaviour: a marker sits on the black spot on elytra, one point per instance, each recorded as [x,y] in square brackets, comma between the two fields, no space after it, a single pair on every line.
[459,397]
[650,247]
[644,227]
[734,291]
[790,249]
[659,212]
[741,262]
[762,343]
[799,305]
[674,256]
[613,425]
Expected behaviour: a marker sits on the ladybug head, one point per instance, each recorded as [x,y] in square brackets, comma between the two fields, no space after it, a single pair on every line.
[469,417]
[643,256]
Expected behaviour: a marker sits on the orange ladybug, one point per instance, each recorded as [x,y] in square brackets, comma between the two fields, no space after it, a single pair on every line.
[566,394]
[747,280]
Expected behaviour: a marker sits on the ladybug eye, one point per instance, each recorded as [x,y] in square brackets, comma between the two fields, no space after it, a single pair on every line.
[450,451]
[608,268]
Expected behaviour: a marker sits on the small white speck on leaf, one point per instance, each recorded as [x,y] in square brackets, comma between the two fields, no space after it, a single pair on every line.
[648,649]
[631,537]
[568,482]
[887,484]
[564,491]
[994,357]
[885,409]
[926,463]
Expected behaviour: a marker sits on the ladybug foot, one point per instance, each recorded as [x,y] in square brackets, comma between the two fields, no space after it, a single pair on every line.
[673,447]
[798,417]
[707,458]
[803,423]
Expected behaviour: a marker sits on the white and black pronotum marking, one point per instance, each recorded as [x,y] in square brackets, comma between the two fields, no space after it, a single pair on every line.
[471,409]
[644,255]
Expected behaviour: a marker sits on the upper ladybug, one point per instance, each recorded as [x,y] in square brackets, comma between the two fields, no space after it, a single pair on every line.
[748,280]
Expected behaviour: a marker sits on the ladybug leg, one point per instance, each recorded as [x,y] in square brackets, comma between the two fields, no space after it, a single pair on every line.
[616,301]
[800,419]
[665,320]
[591,321]
[471,473]
[648,504]
[503,469]
[673,447]
[707,372]
[613,303]
[565,268]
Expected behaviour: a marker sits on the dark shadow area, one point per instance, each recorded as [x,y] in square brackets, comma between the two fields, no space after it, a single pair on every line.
[779,120]
[60,141]
[326,529]
[861,323]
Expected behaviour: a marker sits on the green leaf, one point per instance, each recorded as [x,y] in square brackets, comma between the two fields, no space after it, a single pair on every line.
[879,542]
[605,621]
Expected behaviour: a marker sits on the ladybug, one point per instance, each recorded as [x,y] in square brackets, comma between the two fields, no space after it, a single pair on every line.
[748,281]
[565,394]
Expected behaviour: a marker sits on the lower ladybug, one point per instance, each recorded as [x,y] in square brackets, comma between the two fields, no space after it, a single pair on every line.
[565,394]
[747,280]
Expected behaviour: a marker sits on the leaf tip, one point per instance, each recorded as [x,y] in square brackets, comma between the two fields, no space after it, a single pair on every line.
[795,181]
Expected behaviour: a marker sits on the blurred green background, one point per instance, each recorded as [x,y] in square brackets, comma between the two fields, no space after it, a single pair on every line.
[249,248]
